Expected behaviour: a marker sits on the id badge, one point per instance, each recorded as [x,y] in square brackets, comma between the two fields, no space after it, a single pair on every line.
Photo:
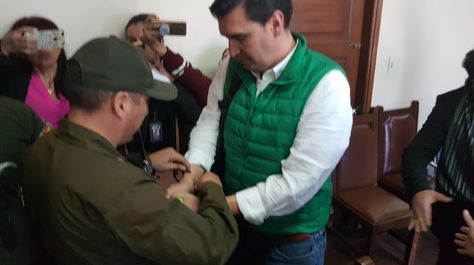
[156,132]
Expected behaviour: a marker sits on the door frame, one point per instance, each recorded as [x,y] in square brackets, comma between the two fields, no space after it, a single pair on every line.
[368,55]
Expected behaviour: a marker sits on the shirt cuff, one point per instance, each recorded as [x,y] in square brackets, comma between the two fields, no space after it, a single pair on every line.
[196,157]
[251,205]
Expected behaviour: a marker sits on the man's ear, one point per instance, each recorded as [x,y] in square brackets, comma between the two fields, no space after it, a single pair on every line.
[276,23]
[121,104]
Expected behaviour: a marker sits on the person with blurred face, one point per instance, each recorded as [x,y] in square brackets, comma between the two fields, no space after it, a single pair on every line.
[449,132]
[168,123]
[90,205]
[279,116]
[30,75]
[141,30]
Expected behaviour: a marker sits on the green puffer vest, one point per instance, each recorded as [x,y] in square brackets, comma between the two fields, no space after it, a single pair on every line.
[259,132]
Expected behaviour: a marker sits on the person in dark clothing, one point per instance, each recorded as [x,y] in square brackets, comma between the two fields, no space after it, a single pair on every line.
[168,123]
[449,128]
[141,31]
[19,128]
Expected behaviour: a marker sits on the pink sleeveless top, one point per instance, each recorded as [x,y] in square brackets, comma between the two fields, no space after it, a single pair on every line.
[50,110]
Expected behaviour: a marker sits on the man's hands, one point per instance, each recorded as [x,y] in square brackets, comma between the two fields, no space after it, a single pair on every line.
[465,238]
[421,207]
[15,41]
[208,177]
[187,183]
[185,187]
[169,159]
[233,205]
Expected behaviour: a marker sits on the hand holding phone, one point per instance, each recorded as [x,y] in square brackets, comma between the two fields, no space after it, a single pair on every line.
[172,28]
[47,39]
[15,41]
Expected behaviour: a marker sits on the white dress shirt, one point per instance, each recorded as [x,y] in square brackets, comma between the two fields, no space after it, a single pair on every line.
[322,137]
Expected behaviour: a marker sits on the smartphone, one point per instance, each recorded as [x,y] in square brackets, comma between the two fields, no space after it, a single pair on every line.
[47,39]
[172,28]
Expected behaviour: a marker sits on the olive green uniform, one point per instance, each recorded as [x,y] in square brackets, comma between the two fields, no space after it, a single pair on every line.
[19,128]
[93,207]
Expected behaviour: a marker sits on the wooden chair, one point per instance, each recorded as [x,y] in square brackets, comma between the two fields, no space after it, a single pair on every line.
[356,191]
[397,128]
[365,260]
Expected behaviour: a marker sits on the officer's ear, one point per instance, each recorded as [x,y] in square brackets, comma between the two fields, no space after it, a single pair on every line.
[121,104]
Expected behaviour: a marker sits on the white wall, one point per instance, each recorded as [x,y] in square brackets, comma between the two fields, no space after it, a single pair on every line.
[85,19]
[427,41]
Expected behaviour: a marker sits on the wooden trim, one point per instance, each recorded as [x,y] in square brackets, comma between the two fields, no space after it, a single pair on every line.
[370,37]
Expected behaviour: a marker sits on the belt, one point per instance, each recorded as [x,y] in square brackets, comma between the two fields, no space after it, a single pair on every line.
[291,238]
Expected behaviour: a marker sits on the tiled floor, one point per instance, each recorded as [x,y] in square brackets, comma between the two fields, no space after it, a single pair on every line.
[386,251]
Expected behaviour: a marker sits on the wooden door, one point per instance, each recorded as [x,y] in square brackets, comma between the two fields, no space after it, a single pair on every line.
[333,28]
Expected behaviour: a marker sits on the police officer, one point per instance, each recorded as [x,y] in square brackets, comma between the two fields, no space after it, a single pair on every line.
[93,207]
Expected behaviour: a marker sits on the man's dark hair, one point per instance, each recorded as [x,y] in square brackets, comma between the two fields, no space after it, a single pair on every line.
[88,100]
[140,18]
[468,64]
[256,10]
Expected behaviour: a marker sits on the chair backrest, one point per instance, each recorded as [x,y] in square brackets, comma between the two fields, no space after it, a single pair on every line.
[358,165]
[396,130]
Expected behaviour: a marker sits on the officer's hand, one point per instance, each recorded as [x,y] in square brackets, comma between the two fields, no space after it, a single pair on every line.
[169,159]
[15,41]
[421,207]
[465,238]
[208,177]
[190,200]
[187,183]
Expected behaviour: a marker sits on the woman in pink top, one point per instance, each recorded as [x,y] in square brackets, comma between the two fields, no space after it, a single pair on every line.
[31,75]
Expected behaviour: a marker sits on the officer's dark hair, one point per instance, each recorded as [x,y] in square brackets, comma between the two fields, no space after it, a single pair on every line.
[86,99]
[256,10]
[468,64]
[140,18]
[90,100]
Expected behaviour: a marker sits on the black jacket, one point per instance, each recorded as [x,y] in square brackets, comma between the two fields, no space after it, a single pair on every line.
[428,142]
[15,75]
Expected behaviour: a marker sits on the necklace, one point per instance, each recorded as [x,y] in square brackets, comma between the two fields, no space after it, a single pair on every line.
[50,87]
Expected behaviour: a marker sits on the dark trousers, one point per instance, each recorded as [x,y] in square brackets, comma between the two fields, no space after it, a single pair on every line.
[447,220]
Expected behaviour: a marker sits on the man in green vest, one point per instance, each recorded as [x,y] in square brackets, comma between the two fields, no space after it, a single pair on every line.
[91,206]
[286,128]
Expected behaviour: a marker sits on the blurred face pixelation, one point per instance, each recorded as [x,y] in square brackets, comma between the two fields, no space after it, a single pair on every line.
[134,35]
[44,58]
[249,41]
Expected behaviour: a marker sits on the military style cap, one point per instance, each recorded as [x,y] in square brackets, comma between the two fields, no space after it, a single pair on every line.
[115,65]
